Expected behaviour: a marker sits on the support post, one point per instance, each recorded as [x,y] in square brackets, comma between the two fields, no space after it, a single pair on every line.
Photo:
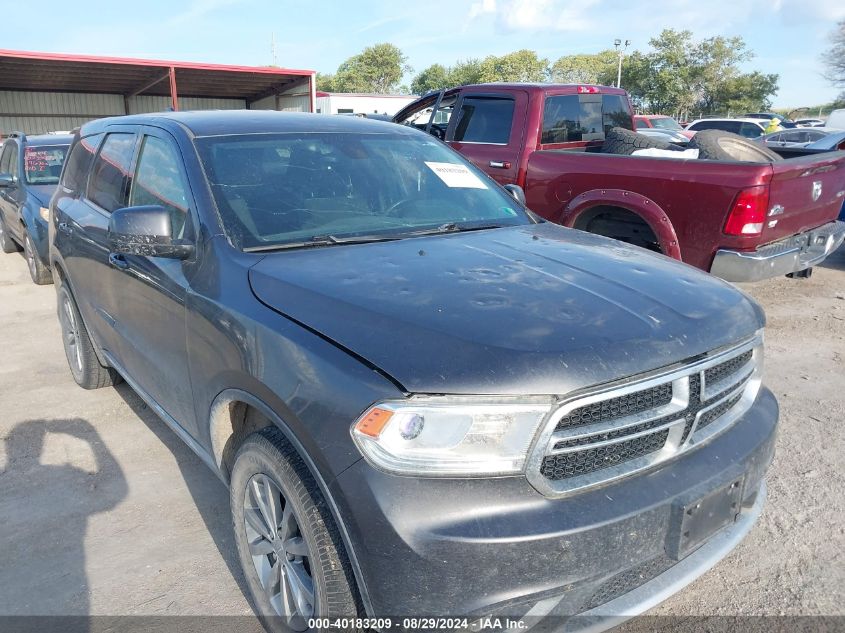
[174,96]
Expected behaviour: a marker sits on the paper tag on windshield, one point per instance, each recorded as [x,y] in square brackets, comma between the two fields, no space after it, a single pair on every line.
[456,175]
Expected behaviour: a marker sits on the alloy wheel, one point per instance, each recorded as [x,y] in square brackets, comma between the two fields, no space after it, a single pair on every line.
[279,551]
[29,253]
[71,333]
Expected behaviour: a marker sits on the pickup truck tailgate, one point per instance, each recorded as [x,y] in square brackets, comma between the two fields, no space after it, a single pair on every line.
[804,193]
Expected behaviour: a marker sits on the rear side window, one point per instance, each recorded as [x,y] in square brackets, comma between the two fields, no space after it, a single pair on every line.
[9,160]
[749,130]
[485,120]
[568,118]
[728,126]
[158,180]
[110,179]
[81,157]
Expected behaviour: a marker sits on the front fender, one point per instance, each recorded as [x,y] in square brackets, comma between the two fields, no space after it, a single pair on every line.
[640,205]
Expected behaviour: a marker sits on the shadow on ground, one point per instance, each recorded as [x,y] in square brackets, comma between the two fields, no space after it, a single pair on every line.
[58,473]
[209,494]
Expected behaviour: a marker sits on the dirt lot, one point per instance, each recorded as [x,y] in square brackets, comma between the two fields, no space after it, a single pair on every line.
[104,511]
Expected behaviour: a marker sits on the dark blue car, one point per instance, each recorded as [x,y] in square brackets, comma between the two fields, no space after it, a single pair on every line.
[30,167]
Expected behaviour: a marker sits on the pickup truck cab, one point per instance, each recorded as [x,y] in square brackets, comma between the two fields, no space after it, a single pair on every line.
[425,401]
[741,221]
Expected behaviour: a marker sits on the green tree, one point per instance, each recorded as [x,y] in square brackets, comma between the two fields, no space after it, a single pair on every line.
[465,72]
[435,77]
[522,65]
[598,68]
[325,82]
[376,69]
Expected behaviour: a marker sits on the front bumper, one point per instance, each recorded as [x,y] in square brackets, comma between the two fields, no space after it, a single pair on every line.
[479,547]
[793,254]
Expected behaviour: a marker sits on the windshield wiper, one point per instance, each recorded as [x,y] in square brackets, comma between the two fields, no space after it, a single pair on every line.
[321,240]
[452,227]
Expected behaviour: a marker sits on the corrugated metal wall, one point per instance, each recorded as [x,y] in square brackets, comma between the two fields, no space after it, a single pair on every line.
[38,112]
[147,103]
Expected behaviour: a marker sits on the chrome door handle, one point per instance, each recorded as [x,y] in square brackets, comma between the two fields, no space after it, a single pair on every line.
[500,164]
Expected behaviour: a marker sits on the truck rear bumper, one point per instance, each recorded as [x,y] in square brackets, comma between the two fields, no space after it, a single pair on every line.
[798,252]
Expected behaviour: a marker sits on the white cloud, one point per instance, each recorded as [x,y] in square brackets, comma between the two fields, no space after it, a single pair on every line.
[537,15]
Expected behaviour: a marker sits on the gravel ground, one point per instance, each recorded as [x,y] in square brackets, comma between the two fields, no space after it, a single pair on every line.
[103,510]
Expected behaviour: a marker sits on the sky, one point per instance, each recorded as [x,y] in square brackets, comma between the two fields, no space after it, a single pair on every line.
[788,37]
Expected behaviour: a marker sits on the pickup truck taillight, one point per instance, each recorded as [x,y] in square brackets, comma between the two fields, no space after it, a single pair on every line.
[748,212]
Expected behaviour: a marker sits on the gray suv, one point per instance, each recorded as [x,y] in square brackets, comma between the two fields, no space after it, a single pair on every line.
[425,401]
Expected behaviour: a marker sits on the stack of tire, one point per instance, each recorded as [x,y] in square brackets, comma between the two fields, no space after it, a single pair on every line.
[711,145]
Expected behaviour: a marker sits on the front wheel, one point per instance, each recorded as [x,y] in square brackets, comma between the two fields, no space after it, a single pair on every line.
[37,270]
[289,546]
[7,244]
[84,365]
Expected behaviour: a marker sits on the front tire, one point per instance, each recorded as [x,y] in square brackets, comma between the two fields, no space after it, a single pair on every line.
[289,546]
[79,350]
[37,270]
[7,244]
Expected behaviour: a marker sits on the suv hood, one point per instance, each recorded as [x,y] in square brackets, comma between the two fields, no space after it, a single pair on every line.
[535,309]
[42,193]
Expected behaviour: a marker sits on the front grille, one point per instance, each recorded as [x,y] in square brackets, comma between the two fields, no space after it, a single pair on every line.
[628,580]
[556,467]
[619,407]
[609,435]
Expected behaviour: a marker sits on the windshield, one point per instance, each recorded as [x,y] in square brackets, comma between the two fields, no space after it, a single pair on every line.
[43,164]
[276,189]
[666,123]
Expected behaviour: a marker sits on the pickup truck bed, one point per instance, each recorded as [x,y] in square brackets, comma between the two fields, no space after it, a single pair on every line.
[742,221]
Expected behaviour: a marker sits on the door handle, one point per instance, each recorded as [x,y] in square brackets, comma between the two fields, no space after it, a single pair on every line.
[118,261]
[500,164]
[64,227]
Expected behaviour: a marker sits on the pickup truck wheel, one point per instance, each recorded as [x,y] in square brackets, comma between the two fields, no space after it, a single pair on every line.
[721,145]
[37,270]
[625,142]
[289,546]
[84,364]
[7,244]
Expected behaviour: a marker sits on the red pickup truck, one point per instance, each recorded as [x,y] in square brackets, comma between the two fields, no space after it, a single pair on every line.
[742,221]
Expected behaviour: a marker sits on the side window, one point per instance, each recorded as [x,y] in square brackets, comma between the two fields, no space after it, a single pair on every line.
[79,162]
[750,130]
[158,180]
[485,120]
[9,160]
[110,179]
[775,139]
[641,124]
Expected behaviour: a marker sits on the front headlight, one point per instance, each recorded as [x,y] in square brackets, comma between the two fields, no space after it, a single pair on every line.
[450,436]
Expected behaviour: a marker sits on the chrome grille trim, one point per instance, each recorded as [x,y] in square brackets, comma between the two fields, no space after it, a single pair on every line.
[681,417]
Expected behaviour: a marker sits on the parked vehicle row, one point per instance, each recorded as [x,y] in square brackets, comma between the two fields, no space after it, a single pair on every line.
[743,213]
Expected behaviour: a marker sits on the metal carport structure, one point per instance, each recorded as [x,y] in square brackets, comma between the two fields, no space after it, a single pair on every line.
[42,92]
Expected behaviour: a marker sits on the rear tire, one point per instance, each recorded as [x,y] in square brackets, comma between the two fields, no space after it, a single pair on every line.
[37,270]
[7,244]
[721,145]
[625,142]
[284,529]
[81,357]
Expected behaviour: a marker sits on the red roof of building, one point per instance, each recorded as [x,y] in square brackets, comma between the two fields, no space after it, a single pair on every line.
[59,72]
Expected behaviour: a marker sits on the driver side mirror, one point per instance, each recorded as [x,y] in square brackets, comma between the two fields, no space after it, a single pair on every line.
[7,180]
[145,231]
[517,192]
